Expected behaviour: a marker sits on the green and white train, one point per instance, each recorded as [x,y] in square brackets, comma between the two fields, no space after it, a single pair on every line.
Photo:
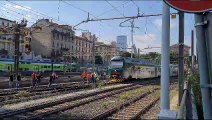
[27,67]
[125,68]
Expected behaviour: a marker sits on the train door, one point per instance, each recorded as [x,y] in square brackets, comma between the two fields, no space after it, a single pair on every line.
[9,67]
[36,68]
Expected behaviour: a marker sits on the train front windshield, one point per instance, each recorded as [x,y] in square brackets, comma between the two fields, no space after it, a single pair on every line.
[116,64]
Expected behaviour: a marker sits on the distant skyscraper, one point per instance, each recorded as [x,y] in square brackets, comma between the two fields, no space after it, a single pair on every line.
[122,43]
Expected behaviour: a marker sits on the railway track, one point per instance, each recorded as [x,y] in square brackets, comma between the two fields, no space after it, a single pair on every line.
[137,108]
[123,106]
[10,99]
[134,108]
[49,107]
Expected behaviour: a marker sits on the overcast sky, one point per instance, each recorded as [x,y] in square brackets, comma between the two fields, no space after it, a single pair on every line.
[73,12]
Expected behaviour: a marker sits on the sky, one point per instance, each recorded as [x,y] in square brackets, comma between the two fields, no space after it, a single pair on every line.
[73,12]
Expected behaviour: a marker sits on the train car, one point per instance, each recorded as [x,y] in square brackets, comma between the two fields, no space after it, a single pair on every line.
[26,67]
[72,67]
[125,68]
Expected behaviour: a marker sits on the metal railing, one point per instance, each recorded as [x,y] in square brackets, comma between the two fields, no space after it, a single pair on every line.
[186,110]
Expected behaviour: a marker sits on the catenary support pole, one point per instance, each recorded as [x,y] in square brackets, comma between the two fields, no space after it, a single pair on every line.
[17,42]
[203,65]
[180,57]
[165,58]
[192,50]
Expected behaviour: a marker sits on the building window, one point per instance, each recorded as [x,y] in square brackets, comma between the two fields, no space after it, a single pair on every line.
[54,35]
[57,45]
[61,45]
[8,46]
[57,36]
[8,24]
[2,23]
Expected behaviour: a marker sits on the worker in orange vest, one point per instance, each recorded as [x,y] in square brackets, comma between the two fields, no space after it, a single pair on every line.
[88,77]
[84,75]
[34,79]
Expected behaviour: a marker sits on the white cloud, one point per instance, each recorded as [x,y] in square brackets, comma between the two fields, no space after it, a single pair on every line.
[146,38]
[26,8]
[145,41]
[158,23]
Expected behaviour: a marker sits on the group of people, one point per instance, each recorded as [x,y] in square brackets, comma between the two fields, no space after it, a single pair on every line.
[90,76]
[13,83]
[36,79]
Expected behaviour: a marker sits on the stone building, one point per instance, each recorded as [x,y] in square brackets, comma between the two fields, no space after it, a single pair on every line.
[174,48]
[7,38]
[51,40]
[84,47]
[106,51]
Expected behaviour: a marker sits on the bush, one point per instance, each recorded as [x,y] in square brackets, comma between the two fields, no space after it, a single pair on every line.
[195,84]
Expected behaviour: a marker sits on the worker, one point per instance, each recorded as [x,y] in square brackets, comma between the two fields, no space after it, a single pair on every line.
[18,81]
[88,77]
[50,80]
[34,80]
[93,79]
[38,79]
[11,81]
[54,76]
[84,75]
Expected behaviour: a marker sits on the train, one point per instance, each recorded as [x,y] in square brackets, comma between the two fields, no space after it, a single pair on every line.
[27,67]
[131,68]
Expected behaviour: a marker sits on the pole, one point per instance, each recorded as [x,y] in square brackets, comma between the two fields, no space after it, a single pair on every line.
[165,57]
[180,57]
[192,50]
[203,66]
[17,42]
[132,26]
[138,53]
[93,53]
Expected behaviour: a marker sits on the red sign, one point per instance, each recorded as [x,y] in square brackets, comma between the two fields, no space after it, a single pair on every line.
[193,6]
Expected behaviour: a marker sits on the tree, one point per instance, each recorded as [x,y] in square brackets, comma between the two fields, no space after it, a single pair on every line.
[127,54]
[154,55]
[173,57]
[98,60]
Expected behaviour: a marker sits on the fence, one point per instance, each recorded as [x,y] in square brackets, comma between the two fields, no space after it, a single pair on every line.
[187,108]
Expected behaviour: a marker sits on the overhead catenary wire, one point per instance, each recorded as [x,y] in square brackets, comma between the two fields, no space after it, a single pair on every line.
[91,15]
[125,2]
[115,8]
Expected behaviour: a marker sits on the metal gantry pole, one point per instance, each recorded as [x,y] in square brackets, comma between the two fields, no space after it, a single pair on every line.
[93,53]
[165,58]
[203,65]
[180,57]
[17,42]
[192,50]
[132,27]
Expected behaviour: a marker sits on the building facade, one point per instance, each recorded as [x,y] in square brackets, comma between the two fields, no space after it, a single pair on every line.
[106,51]
[84,47]
[174,48]
[52,40]
[122,42]
[7,38]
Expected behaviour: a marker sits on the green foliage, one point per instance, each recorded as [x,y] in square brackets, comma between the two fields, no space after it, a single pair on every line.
[127,54]
[23,94]
[195,83]
[98,60]
[105,104]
